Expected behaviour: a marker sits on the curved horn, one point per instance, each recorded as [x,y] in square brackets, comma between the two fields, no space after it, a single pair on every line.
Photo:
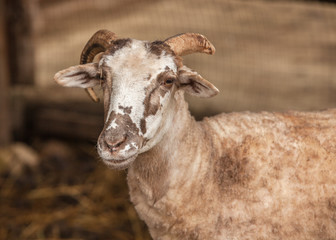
[187,43]
[99,42]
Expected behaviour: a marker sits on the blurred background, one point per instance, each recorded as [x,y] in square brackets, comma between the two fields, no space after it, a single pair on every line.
[271,55]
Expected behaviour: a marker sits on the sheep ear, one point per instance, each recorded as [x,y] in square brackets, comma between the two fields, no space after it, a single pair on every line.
[82,76]
[194,84]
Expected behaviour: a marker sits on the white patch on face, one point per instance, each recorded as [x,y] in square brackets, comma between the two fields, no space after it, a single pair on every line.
[131,67]
[154,121]
[113,125]
[128,147]
[124,151]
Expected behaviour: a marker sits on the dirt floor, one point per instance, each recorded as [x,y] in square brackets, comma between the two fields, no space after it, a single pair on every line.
[66,194]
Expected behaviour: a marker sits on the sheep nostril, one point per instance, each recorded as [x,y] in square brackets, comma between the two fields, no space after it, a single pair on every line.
[114,144]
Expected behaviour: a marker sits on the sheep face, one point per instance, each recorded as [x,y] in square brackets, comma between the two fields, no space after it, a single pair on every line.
[139,83]
[139,80]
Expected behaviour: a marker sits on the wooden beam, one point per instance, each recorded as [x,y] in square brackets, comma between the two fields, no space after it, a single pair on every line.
[19,17]
[5,126]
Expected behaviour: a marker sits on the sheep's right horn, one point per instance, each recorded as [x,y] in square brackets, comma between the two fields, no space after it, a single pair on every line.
[187,43]
[98,43]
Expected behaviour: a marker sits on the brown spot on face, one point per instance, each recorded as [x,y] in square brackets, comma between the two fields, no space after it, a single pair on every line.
[143,126]
[123,121]
[153,93]
[152,102]
[158,47]
[118,44]
[126,110]
[149,77]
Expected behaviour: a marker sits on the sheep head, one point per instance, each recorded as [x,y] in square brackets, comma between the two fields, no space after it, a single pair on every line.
[139,80]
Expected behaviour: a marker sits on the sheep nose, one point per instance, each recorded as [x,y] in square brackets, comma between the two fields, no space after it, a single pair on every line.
[113,144]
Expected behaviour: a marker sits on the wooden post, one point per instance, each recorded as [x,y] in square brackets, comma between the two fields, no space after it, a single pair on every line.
[5,126]
[20,32]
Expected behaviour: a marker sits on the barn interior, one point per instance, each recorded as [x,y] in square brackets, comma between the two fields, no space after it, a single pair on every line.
[271,55]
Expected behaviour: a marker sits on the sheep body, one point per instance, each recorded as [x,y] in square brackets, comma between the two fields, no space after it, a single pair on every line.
[240,176]
[233,176]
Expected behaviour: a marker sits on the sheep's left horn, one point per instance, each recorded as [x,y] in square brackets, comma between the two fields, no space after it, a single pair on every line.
[98,43]
[187,43]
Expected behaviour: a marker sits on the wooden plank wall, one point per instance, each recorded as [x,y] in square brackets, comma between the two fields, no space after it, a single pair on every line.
[19,15]
[5,132]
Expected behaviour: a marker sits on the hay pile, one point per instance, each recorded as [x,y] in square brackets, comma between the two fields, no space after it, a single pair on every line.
[68,195]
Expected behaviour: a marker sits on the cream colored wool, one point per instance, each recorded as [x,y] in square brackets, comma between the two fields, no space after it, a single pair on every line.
[229,177]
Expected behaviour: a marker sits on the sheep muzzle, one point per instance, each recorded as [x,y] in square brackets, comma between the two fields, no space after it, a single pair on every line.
[119,142]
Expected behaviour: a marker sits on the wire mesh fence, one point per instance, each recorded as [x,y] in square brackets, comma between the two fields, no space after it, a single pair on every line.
[271,55]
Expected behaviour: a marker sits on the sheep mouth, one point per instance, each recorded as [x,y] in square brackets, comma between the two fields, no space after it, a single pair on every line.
[119,164]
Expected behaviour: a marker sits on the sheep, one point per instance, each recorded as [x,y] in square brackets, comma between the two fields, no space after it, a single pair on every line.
[232,176]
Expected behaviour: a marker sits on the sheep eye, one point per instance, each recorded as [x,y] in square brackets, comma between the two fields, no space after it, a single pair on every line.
[168,82]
